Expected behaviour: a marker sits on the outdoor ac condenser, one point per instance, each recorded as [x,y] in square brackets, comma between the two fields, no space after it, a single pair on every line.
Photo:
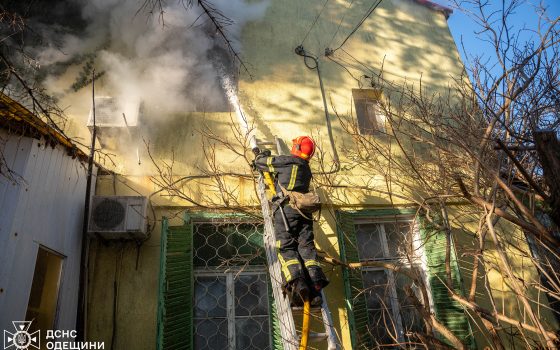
[118,217]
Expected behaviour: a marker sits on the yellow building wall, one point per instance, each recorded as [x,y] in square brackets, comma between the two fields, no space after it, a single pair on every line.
[283,99]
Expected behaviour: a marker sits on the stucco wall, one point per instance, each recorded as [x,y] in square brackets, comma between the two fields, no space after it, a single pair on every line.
[410,42]
[282,98]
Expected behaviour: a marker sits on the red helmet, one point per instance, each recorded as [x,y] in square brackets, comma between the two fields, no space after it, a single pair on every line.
[303,147]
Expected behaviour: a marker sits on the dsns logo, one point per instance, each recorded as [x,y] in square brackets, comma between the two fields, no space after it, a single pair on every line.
[21,339]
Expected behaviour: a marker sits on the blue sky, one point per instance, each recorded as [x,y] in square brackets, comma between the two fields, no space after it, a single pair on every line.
[463,28]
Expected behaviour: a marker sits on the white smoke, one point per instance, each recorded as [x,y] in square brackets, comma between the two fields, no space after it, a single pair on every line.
[167,63]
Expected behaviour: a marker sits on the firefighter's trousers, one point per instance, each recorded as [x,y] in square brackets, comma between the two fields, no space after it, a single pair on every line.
[296,247]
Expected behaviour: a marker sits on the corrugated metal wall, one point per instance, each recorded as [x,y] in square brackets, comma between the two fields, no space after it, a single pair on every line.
[44,208]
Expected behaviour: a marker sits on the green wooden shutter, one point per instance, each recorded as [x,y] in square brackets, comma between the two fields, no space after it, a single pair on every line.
[355,302]
[175,300]
[447,310]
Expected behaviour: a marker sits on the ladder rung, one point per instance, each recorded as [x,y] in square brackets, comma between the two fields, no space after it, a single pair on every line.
[314,336]
[265,143]
[313,309]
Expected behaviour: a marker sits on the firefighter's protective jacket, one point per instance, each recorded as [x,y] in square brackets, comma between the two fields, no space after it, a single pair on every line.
[293,173]
[297,240]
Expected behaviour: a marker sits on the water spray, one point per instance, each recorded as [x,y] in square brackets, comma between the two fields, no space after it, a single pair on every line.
[130,137]
[233,99]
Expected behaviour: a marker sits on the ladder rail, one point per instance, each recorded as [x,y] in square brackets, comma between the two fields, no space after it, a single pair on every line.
[283,310]
[290,338]
[328,323]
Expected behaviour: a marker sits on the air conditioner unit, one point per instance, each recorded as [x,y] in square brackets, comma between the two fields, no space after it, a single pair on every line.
[111,113]
[118,217]
[114,120]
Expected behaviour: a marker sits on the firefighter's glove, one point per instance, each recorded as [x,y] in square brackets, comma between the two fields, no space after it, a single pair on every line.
[263,154]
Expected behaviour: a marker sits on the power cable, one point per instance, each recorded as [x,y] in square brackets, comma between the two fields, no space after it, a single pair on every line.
[371,74]
[340,22]
[368,13]
[360,63]
[347,71]
[300,51]
[315,21]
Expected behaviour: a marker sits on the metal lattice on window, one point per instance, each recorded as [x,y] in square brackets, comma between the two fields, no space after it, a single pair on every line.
[231,308]
[228,244]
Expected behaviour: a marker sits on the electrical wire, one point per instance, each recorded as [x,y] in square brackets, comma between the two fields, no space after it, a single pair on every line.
[315,21]
[346,65]
[368,13]
[340,22]
[360,63]
[116,282]
[358,80]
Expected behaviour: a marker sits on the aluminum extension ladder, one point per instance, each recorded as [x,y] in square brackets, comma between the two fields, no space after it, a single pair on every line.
[290,338]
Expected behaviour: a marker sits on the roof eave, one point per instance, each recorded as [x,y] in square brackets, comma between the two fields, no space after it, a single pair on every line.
[18,119]
[436,7]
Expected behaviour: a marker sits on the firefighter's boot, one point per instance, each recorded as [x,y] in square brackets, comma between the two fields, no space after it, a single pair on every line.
[315,295]
[300,291]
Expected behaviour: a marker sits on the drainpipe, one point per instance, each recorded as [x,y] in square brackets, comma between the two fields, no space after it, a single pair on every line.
[84,258]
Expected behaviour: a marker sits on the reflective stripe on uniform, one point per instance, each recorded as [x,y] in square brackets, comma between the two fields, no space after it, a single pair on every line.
[312,263]
[285,264]
[269,164]
[292,178]
[285,270]
[292,262]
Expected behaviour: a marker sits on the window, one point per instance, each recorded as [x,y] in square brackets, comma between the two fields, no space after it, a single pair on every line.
[368,112]
[231,310]
[43,299]
[391,316]
[214,288]
[230,287]
[380,314]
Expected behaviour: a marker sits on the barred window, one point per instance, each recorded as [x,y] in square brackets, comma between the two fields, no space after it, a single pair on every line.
[391,316]
[231,294]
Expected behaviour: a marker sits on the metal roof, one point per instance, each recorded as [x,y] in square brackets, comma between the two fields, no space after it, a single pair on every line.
[18,119]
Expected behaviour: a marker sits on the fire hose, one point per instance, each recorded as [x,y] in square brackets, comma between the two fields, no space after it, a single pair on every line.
[305,327]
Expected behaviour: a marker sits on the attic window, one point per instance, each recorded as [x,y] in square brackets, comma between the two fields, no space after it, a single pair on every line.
[368,112]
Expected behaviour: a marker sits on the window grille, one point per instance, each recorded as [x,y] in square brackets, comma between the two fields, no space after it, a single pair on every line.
[228,244]
[231,308]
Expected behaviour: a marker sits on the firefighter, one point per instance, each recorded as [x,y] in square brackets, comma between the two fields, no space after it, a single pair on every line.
[294,233]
